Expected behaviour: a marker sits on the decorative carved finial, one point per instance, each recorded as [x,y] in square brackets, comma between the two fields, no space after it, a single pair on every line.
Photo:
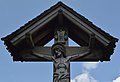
[61,36]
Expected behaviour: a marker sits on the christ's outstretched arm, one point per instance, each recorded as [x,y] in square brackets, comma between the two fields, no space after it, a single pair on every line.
[91,46]
[80,55]
[42,56]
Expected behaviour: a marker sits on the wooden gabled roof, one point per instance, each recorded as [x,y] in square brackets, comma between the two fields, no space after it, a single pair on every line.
[42,30]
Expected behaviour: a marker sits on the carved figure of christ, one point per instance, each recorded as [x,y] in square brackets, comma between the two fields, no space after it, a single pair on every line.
[61,62]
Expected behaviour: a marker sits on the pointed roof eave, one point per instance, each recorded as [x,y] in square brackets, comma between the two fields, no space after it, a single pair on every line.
[70,14]
[51,13]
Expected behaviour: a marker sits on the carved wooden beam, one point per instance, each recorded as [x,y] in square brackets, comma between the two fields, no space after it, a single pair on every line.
[26,55]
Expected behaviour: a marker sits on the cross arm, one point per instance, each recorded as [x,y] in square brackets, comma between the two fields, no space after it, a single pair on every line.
[42,55]
[73,57]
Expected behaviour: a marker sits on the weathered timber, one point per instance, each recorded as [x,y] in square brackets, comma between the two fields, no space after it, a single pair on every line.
[26,55]
[60,23]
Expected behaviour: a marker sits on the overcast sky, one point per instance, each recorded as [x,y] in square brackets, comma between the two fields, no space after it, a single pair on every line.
[15,13]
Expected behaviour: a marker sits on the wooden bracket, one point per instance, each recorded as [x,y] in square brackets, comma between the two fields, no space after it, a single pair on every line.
[29,40]
[92,41]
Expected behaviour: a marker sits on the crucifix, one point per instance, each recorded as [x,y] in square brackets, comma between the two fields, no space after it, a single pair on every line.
[60,60]
[60,22]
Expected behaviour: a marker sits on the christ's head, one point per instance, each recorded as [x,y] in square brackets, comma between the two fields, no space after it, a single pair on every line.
[58,50]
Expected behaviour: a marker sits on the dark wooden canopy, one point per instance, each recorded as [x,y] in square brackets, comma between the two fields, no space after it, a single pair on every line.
[42,30]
